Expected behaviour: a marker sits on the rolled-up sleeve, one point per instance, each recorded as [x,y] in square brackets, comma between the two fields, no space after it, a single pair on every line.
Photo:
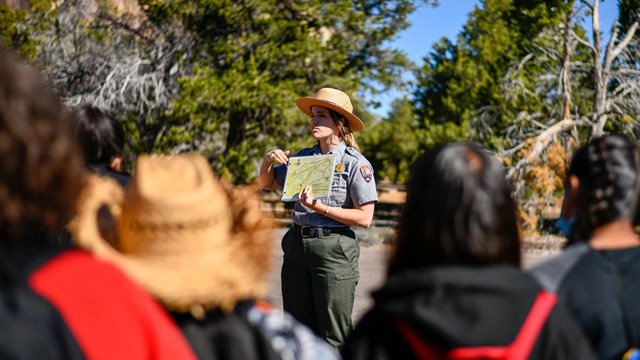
[280,173]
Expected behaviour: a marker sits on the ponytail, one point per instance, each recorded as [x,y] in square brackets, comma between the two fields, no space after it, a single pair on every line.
[344,132]
[607,171]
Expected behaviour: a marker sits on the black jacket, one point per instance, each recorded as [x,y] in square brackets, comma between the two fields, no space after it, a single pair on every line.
[584,280]
[32,327]
[222,335]
[252,330]
[461,307]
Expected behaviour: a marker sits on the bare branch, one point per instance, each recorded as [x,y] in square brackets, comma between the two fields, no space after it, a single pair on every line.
[513,150]
[583,41]
[610,55]
[542,141]
[625,42]
[625,72]
[589,5]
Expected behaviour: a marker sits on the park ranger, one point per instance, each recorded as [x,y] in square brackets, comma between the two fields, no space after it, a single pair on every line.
[320,267]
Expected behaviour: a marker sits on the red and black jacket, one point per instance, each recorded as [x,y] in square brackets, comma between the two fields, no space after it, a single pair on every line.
[67,304]
[452,308]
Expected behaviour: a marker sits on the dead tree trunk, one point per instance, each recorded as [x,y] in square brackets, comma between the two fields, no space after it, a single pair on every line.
[602,68]
[566,67]
[599,78]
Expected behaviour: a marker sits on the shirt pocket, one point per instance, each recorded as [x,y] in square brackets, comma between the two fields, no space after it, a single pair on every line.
[339,188]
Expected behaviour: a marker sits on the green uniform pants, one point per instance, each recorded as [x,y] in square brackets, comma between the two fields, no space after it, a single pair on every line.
[319,278]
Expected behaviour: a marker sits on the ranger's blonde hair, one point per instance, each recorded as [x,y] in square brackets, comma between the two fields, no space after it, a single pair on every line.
[344,132]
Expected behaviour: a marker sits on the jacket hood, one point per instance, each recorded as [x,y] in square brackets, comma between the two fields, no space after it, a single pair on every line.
[460,306]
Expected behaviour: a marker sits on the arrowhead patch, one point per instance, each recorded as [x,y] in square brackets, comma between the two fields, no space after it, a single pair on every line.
[366,173]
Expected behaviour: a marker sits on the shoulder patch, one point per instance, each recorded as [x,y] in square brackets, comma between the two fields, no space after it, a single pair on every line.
[366,173]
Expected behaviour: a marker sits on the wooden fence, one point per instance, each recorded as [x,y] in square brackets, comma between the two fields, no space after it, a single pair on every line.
[390,202]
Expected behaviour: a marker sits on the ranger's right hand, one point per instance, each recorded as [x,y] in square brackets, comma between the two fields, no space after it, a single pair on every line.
[277,155]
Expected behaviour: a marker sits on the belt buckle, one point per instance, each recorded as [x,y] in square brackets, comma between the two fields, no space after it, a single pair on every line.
[313,231]
[302,231]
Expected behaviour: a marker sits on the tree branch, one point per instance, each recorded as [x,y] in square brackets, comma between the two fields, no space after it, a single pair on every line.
[583,41]
[610,54]
[541,142]
[623,44]
[589,5]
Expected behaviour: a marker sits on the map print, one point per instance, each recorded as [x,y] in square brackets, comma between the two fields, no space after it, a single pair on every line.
[316,171]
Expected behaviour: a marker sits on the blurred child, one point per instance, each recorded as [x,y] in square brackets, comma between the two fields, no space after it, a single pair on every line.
[597,276]
[203,250]
[454,288]
[59,303]
[102,140]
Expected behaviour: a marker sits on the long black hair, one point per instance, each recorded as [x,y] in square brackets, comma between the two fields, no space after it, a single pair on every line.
[607,171]
[459,210]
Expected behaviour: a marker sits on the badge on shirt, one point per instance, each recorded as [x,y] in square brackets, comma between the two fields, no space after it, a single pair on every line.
[340,167]
[366,173]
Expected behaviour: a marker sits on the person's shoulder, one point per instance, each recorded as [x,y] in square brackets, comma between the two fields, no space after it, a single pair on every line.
[353,152]
[290,338]
[76,271]
[373,321]
[34,328]
[103,170]
[82,264]
[122,178]
[552,272]
[562,337]
[356,156]
[129,322]
[376,337]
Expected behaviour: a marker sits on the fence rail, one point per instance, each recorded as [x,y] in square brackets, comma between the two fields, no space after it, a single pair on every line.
[387,211]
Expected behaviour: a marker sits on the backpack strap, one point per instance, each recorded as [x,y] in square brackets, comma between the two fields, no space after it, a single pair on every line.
[520,348]
[419,347]
[530,331]
[617,283]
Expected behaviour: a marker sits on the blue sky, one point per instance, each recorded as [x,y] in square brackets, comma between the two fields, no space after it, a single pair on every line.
[429,24]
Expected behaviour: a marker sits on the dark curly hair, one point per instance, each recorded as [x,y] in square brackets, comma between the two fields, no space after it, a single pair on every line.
[607,170]
[40,165]
[459,210]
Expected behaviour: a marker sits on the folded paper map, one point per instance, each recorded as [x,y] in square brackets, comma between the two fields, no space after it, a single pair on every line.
[316,171]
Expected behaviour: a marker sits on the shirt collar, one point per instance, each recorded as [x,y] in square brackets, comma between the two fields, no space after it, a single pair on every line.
[339,149]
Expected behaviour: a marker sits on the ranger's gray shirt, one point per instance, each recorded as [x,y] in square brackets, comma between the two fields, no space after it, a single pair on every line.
[353,186]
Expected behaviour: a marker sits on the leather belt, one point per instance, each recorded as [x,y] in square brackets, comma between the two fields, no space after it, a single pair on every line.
[317,231]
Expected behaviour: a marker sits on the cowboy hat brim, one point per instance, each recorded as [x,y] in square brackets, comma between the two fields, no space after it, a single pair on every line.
[305,104]
[218,277]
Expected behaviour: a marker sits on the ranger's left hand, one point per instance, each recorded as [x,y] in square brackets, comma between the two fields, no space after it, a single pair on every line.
[306,197]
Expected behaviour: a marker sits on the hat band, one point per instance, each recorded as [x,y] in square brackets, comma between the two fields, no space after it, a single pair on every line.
[334,104]
[194,225]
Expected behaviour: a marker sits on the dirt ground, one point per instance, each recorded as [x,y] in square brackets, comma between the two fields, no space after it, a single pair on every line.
[373,255]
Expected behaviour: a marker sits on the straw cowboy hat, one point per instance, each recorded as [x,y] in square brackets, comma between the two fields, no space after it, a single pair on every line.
[190,241]
[335,100]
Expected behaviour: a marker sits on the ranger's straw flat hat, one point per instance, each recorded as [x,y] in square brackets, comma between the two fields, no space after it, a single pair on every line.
[332,99]
[192,242]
